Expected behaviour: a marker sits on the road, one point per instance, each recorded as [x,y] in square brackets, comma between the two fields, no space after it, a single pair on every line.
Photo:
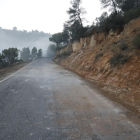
[44,101]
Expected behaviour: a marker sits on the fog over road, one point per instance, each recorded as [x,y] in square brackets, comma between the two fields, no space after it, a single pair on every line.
[44,101]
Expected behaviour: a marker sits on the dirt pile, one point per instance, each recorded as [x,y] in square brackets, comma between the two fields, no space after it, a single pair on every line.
[110,61]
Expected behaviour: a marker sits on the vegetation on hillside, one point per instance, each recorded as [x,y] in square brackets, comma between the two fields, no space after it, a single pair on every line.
[11,55]
[73,29]
[26,54]
[8,57]
[121,13]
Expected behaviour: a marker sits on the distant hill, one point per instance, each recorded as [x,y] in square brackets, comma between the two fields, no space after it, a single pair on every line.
[20,39]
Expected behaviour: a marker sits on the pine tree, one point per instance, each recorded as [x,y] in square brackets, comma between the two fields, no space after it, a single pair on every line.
[113,4]
[127,5]
[76,12]
[34,51]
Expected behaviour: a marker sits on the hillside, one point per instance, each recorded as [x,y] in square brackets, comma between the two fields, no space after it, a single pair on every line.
[110,61]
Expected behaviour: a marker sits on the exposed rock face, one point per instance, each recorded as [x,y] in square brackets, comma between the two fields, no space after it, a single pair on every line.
[76,46]
[91,58]
[128,28]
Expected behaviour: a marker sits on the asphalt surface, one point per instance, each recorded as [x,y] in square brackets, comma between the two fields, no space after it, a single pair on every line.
[44,101]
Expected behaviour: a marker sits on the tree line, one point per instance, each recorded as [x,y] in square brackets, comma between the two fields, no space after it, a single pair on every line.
[11,55]
[25,35]
[27,54]
[19,39]
[122,11]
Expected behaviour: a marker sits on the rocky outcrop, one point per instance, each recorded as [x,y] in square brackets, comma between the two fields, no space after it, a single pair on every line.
[131,26]
[91,56]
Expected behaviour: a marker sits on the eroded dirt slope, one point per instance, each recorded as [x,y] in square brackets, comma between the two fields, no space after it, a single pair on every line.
[92,58]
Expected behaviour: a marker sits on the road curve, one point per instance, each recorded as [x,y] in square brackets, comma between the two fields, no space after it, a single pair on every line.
[46,102]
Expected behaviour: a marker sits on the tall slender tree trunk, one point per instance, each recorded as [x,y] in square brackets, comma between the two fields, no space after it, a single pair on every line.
[80,20]
[79,16]
[114,5]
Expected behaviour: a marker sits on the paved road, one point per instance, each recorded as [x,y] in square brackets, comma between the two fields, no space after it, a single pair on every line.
[46,102]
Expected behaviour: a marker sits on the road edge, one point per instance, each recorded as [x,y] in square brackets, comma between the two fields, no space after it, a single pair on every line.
[17,71]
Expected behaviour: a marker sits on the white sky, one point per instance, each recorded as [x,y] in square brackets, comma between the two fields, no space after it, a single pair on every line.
[42,15]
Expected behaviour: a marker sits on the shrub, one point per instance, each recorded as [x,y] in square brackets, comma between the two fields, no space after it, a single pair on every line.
[97,56]
[136,41]
[123,47]
[79,33]
[64,54]
[131,14]
[115,60]
[113,21]
[115,43]
[116,20]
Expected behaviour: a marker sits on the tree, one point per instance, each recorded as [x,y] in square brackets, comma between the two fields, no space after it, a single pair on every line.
[74,25]
[59,37]
[137,3]
[25,54]
[15,28]
[1,57]
[39,53]
[65,36]
[34,51]
[56,38]
[113,21]
[2,62]
[75,31]
[10,54]
[51,50]
[127,5]
[101,19]
[113,4]
[76,12]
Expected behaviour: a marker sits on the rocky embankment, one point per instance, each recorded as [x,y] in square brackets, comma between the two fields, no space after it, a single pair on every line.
[110,61]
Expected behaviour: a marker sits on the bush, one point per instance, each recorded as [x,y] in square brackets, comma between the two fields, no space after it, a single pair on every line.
[136,41]
[131,14]
[123,46]
[98,56]
[113,21]
[116,20]
[118,59]
[127,5]
[64,54]
[79,33]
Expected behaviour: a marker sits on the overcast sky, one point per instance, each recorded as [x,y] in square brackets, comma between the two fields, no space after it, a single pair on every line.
[42,15]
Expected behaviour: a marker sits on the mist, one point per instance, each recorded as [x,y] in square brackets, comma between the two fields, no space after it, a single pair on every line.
[21,39]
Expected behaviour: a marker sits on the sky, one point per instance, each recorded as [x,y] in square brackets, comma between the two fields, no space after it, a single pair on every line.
[42,15]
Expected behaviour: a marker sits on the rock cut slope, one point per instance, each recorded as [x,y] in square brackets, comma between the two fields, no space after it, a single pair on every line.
[110,61]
